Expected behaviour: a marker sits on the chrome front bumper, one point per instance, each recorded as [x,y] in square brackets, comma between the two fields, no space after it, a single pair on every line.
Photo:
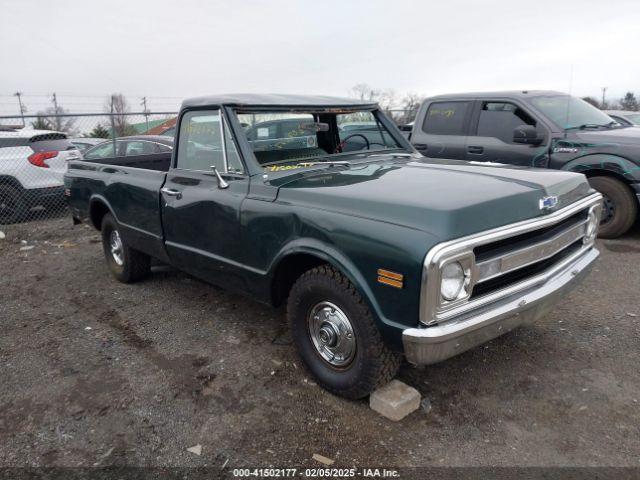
[426,345]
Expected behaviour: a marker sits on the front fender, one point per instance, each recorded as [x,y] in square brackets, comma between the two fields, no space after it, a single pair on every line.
[603,161]
[391,331]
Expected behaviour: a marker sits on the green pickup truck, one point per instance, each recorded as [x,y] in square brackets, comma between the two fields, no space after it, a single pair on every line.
[377,251]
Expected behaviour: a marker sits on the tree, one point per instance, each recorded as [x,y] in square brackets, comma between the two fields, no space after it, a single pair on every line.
[629,102]
[51,117]
[41,123]
[592,101]
[387,99]
[99,132]
[118,106]
[410,103]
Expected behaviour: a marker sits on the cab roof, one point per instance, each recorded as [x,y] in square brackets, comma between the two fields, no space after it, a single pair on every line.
[275,100]
[503,94]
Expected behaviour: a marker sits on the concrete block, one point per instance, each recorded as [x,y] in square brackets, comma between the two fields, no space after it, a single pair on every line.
[395,400]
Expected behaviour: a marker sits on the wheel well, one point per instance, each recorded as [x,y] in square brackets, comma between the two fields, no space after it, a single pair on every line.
[11,181]
[288,271]
[97,211]
[600,172]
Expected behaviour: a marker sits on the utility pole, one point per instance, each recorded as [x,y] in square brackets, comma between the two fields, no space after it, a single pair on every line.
[113,128]
[145,111]
[604,91]
[23,109]
[56,112]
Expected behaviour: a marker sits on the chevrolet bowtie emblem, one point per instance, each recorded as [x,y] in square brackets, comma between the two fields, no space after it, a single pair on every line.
[547,203]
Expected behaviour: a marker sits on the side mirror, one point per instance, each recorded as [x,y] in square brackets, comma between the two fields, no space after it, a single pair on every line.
[527,135]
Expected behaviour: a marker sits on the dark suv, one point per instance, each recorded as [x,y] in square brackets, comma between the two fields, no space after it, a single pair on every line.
[538,129]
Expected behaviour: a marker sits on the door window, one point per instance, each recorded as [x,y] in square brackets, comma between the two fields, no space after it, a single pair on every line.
[201,145]
[500,119]
[138,148]
[104,150]
[445,118]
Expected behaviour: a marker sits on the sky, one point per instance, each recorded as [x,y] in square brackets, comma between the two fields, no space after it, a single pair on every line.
[169,50]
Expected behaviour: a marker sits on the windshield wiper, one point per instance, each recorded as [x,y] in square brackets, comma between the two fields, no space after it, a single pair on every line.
[396,154]
[307,163]
[328,162]
[591,125]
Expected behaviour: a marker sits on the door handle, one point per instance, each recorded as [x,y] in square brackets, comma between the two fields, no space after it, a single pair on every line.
[171,192]
[421,146]
[475,149]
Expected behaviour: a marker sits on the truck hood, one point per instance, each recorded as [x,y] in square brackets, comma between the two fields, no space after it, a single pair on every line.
[622,136]
[446,198]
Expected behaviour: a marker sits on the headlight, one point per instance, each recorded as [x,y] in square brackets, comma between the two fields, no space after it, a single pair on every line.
[453,279]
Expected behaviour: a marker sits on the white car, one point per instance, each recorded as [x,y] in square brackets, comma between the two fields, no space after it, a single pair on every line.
[32,165]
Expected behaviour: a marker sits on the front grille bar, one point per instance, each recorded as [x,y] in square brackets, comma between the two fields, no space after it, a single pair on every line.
[529,255]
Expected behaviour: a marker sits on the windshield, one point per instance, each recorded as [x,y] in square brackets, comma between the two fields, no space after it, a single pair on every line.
[279,137]
[571,112]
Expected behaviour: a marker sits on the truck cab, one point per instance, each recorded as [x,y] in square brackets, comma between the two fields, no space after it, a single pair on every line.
[541,129]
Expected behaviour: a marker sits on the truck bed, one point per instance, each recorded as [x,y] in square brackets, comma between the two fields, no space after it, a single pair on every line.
[133,192]
[159,162]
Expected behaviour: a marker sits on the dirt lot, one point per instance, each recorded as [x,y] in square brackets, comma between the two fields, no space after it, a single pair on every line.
[95,372]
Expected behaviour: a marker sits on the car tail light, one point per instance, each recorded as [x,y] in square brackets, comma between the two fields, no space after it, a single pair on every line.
[38,158]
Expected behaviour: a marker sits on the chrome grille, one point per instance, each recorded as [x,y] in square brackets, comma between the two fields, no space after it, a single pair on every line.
[520,257]
[507,260]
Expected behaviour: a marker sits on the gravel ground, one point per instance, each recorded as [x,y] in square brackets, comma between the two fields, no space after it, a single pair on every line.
[95,372]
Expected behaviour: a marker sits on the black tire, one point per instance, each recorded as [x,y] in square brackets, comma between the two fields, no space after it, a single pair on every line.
[620,209]
[134,265]
[372,365]
[13,205]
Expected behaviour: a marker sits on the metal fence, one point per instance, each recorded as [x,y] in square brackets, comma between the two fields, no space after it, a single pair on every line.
[35,149]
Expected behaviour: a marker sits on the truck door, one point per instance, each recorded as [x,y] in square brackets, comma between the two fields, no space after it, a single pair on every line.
[201,212]
[440,129]
[491,135]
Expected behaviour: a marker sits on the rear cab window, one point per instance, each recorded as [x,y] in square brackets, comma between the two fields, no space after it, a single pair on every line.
[446,118]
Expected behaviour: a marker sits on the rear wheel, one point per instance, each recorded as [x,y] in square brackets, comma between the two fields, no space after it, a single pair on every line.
[620,206]
[13,205]
[336,336]
[126,264]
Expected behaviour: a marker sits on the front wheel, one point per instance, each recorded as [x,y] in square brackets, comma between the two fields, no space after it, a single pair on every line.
[620,206]
[336,336]
[126,264]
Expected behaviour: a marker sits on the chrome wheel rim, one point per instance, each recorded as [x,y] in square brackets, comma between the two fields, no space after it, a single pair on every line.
[609,210]
[115,243]
[332,334]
